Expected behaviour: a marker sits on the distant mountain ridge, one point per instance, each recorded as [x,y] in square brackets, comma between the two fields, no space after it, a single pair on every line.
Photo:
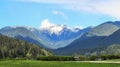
[109,35]
[19,31]
[104,29]
[63,40]
[51,36]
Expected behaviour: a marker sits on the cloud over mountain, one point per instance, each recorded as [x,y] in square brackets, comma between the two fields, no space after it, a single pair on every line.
[46,23]
[56,28]
[53,28]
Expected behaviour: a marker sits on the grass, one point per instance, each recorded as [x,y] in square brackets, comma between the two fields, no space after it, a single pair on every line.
[114,60]
[33,63]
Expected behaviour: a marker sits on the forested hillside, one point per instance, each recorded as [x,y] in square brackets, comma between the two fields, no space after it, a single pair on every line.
[14,48]
[96,41]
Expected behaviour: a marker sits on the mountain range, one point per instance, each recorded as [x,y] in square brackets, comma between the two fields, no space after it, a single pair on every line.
[99,37]
[51,36]
[63,40]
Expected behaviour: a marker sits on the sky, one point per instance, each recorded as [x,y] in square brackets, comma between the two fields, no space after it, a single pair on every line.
[72,13]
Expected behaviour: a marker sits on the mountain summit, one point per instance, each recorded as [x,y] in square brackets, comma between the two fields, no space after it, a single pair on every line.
[50,35]
[56,29]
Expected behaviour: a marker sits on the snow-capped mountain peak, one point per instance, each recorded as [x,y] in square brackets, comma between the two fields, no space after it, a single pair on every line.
[46,25]
[52,35]
[52,28]
[76,28]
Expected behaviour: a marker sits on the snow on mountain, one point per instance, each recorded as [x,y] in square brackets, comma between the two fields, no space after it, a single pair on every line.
[56,29]
[56,35]
[53,36]
[76,28]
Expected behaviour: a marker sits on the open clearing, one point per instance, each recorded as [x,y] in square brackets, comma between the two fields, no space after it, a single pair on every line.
[33,63]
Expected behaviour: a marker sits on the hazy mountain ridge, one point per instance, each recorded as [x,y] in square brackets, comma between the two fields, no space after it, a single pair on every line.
[104,29]
[69,41]
[92,42]
[20,31]
[44,35]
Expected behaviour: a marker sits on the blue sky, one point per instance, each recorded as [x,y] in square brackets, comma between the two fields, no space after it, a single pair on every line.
[82,13]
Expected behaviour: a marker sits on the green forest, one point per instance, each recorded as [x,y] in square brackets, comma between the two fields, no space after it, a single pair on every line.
[14,48]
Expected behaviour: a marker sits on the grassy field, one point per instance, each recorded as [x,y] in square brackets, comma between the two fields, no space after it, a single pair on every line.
[114,60]
[32,63]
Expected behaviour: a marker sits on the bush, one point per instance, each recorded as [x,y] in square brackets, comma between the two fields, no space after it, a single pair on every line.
[55,58]
[106,57]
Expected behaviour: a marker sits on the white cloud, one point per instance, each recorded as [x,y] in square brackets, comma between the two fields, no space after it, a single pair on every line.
[46,23]
[108,7]
[111,8]
[52,28]
[56,28]
[55,12]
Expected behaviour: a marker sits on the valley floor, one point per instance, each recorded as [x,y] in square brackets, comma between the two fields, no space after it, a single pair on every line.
[101,61]
[33,63]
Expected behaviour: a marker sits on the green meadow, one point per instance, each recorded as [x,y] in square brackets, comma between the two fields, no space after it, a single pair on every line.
[34,63]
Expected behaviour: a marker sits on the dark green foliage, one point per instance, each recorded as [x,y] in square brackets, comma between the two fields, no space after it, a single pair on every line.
[93,57]
[107,57]
[99,57]
[56,58]
[79,58]
[14,48]
[104,57]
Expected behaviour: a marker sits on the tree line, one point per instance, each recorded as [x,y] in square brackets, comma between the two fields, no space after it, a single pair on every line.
[78,58]
[15,48]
